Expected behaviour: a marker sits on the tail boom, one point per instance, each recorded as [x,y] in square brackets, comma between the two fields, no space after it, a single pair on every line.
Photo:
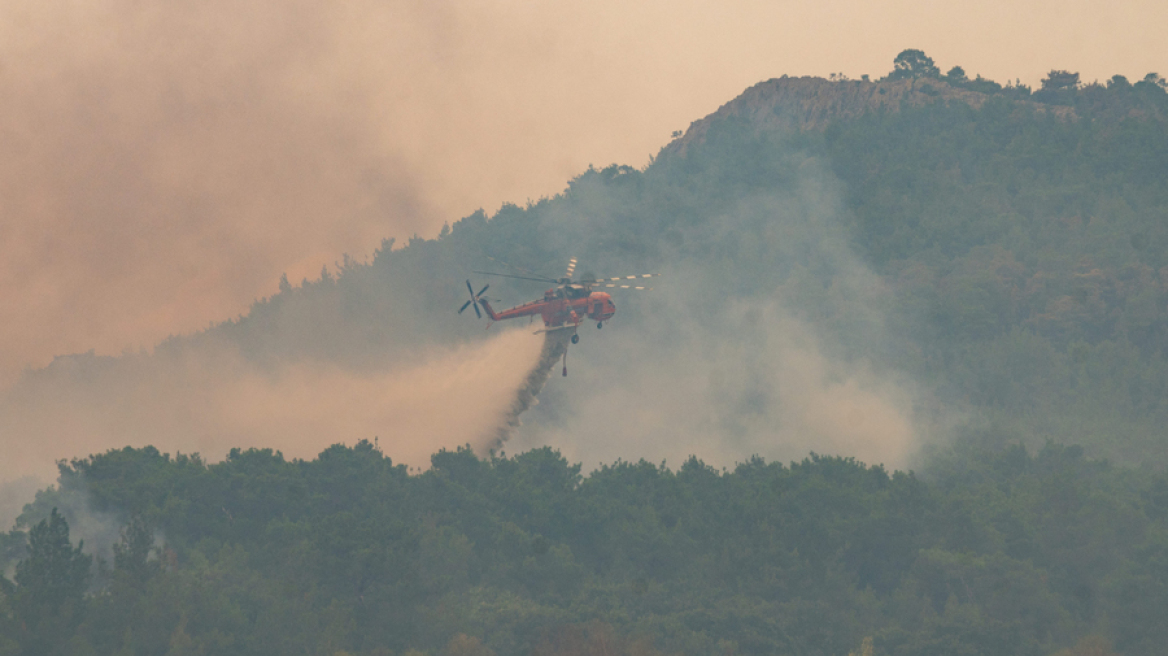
[486,305]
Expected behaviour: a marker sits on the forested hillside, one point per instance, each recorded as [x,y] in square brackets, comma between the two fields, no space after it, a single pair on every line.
[1000,249]
[988,262]
[996,253]
[1034,250]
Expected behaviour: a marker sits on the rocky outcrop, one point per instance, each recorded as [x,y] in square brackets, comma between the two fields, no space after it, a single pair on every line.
[810,103]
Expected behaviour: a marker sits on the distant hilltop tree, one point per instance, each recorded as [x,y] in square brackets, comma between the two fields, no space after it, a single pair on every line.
[1118,82]
[1153,81]
[913,64]
[1058,80]
[956,75]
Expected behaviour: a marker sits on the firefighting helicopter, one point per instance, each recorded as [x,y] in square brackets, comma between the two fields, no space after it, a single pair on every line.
[563,307]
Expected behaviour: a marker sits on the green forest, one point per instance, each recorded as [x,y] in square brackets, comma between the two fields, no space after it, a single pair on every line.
[1003,552]
[1004,248]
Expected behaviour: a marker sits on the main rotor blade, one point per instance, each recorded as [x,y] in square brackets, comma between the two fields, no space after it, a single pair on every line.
[504,275]
[483,290]
[644,289]
[517,268]
[464,306]
[477,313]
[470,289]
[636,277]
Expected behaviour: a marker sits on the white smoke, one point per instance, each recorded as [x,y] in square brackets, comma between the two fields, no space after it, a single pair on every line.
[766,336]
[209,400]
[771,390]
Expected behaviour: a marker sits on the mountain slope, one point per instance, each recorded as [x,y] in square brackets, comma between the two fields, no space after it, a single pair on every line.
[933,255]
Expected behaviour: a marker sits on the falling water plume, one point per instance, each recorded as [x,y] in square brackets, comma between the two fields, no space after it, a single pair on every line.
[555,345]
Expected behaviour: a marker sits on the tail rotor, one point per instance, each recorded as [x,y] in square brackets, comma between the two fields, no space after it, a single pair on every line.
[475,299]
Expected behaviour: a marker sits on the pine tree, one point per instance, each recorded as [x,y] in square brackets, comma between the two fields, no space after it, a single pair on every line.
[55,572]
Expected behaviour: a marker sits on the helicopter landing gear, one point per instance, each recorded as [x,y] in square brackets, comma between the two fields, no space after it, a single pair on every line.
[599,325]
[575,338]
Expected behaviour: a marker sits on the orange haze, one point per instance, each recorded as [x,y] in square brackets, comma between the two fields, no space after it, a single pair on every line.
[165,162]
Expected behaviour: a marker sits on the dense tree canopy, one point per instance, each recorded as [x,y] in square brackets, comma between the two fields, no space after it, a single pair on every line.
[1005,552]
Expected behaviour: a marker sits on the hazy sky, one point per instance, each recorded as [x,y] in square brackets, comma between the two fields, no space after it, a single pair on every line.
[163,163]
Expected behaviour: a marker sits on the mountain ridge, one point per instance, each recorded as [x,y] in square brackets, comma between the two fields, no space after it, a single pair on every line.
[812,103]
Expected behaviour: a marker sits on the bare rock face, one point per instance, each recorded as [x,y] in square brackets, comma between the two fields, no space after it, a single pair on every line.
[792,104]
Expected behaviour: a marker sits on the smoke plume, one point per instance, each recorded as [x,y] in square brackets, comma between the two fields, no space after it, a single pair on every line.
[759,382]
[14,494]
[766,336]
[209,400]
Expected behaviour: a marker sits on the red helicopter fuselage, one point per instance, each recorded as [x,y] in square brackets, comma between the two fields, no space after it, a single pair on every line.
[562,308]
[569,305]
